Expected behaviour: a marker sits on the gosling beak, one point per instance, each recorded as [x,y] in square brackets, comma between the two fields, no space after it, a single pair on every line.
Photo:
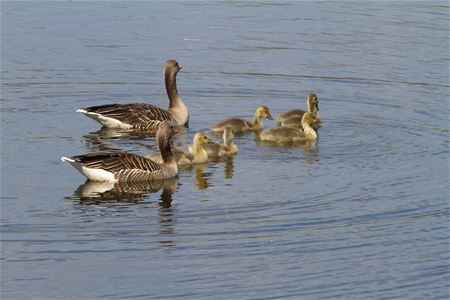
[269,116]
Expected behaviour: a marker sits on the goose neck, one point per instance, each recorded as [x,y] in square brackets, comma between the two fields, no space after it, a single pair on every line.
[166,151]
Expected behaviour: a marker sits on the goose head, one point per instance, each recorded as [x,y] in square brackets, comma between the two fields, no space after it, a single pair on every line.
[263,111]
[171,67]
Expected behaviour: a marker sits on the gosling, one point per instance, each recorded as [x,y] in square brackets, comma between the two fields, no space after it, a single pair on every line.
[290,134]
[240,125]
[197,156]
[216,150]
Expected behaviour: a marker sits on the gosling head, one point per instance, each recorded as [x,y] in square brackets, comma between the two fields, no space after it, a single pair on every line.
[228,135]
[310,119]
[201,138]
[313,103]
[172,67]
[263,111]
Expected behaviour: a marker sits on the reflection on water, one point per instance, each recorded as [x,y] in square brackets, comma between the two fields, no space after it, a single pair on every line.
[362,214]
[308,146]
[108,194]
[93,192]
[228,167]
[112,139]
[201,176]
[108,139]
[166,218]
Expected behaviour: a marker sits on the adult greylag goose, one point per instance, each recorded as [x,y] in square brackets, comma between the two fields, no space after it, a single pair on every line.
[143,116]
[197,156]
[289,134]
[121,166]
[313,107]
[240,125]
[216,150]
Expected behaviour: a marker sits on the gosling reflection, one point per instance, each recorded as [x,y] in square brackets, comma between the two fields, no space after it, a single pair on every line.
[92,192]
[228,165]
[201,176]
[228,168]
[307,145]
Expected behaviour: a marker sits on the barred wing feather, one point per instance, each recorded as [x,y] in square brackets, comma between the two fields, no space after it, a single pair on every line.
[125,166]
[139,115]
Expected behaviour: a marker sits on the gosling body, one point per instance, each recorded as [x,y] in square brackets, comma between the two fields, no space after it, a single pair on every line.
[238,125]
[197,156]
[228,147]
[291,135]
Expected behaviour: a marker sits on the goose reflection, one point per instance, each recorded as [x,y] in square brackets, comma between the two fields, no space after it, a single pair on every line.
[105,139]
[92,192]
[166,219]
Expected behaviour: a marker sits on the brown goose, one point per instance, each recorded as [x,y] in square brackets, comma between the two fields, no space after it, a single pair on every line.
[313,107]
[121,166]
[289,134]
[228,148]
[196,156]
[143,116]
[240,125]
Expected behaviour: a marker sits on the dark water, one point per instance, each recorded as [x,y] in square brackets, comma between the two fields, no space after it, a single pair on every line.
[362,215]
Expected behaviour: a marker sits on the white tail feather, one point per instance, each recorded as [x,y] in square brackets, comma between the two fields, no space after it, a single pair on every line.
[90,173]
[105,121]
[67,159]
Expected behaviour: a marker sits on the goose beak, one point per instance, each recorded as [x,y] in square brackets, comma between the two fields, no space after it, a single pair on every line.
[269,116]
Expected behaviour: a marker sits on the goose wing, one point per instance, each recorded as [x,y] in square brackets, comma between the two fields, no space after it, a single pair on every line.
[138,115]
[125,166]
